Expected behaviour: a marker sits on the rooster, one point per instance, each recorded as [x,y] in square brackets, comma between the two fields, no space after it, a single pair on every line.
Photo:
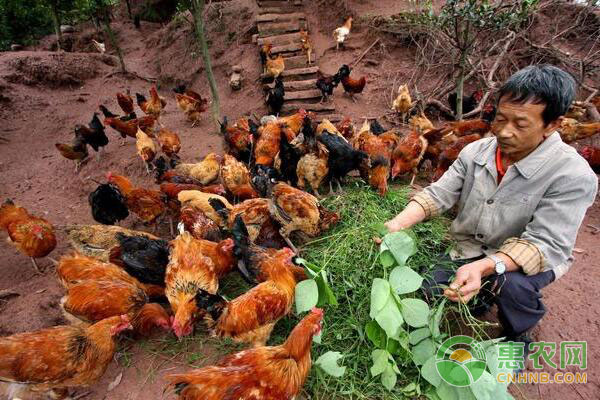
[276,372]
[58,358]
[148,205]
[152,107]
[238,137]
[108,204]
[76,151]
[93,134]
[126,103]
[351,86]
[341,33]
[267,145]
[450,154]
[469,103]
[592,156]
[275,97]
[407,155]
[326,84]
[343,158]
[378,148]
[265,54]
[130,127]
[31,235]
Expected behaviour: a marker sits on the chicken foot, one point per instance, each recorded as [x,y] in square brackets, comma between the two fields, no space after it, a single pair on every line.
[35,265]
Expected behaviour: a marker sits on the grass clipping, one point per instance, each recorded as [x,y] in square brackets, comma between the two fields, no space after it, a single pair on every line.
[350,256]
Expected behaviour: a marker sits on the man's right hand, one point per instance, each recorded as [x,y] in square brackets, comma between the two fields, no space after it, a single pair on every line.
[411,215]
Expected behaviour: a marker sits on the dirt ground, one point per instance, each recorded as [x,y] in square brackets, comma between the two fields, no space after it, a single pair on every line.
[44,94]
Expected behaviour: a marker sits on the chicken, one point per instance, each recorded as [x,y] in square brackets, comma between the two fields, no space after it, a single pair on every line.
[108,114]
[341,33]
[99,46]
[172,189]
[31,235]
[200,201]
[267,145]
[326,126]
[147,204]
[192,267]
[265,54]
[380,155]
[275,66]
[351,86]
[76,151]
[93,134]
[420,123]
[326,84]
[450,154]
[488,113]
[408,154]
[91,301]
[306,45]
[130,127]
[469,103]
[60,357]
[108,204]
[125,102]
[592,156]
[464,127]
[273,373]
[191,103]
[74,268]
[571,130]
[288,160]
[169,143]
[295,122]
[199,225]
[313,167]
[97,240]
[152,107]
[238,137]
[236,178]
[275,97]
[346,128]
[342,157]
[403,102]
[146,148]
[576,111]
[206,171]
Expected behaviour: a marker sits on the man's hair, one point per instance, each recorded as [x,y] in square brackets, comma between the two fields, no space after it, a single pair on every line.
[541,84]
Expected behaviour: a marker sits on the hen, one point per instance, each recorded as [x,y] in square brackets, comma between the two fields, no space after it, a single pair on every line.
[76,151]
[265,373]
[56,359]
[206,171]
[238,137]
[420,123]
[108,204]
[236,178]
[313,167]
[130,127]
[408,154]
[351,86]
[199,225]
[265,54]
[31,235]
[592,156]
[146,148]
[468,103]
[147,204]
[342,32]
[274,66]
[380,154]
[169,143]
[153,106]
[275,97]
[93,134]
[326,84]
[191,103]
[342,157]
[403,102]
[571,130]
[125,102]
[295,122]
[450,154]
[346,128]
[267,145]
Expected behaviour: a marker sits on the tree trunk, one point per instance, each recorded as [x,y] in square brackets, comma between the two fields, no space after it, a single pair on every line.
[198,6]
[129,9]
[113,42]
[460,80]
[56,22]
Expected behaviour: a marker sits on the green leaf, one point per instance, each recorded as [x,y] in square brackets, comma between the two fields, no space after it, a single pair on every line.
[437,319]
[307,295]
[326,295]
[387,259]
[380,229]
[418,334]
[390,318]
[401,244]
[380,292]
[430,373]
[423,351]
[389,378]
[415,312]
[393,347]
[410,388]
[488,388]
[380,361]
[375,334]
[328,362]
[317,338]
[404,280]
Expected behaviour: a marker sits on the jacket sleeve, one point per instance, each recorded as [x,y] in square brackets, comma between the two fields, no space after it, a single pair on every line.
[549,238]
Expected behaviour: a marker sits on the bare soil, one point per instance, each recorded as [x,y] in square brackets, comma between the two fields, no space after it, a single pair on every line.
[43,94]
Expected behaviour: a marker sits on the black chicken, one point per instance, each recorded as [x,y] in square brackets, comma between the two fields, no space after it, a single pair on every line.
[108,204]
[289,157]
[93,134]
[343,158]
[469,102]
[275,97]
[108,114]
[326,84]
[376,128]
[143,258]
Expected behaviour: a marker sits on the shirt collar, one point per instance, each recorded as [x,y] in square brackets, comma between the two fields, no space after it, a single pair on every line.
[528,166]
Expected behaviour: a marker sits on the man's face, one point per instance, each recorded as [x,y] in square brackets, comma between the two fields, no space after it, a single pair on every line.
[520,128]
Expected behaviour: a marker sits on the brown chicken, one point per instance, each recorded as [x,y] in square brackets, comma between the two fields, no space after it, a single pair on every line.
[592,156]
[125,102]
[31,235]
[146,148]
[267,145]
[403,102]
[274,66]
[154,106]
[326,126]
[238,137]
[201,201]
[295,122]
[467,127]
[236,178]
[420,123]
[351,86]
[313,166]
[206,171]
[147,204]
[130,128]
[194,265]
[265,54]
[408,154]
[450,154]
[97,240]
[191,103]
[76,151]
[198,224]
[169,142]
[346,128]
[306,45]
[56,359]
[90,301]
[262,373]
[380,154]
[571,130]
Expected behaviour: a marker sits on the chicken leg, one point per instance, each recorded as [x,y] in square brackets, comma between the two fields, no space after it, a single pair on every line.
[290,244]
[35,265]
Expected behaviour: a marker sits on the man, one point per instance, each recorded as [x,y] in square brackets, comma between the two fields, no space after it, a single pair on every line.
[521,198]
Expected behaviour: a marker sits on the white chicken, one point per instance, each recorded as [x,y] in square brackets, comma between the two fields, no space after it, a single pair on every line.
[340,33]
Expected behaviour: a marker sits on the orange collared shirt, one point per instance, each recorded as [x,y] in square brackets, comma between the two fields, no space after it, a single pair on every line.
[499,167]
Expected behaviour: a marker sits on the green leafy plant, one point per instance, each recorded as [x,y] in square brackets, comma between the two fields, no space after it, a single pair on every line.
[315,291]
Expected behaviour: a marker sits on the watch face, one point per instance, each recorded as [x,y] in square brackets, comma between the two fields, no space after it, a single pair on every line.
[500,268]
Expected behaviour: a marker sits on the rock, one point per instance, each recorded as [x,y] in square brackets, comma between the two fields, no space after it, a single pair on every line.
[67,29]
[16,47]
[235,81]
[372,62]
[237,68]
[255,38]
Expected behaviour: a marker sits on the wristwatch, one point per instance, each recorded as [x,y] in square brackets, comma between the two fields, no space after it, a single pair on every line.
[500,267]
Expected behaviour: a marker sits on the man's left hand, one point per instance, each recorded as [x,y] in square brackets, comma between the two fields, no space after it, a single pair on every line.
[467,282]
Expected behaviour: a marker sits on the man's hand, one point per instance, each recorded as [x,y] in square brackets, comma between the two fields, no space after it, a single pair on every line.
[467,282]
[411,215]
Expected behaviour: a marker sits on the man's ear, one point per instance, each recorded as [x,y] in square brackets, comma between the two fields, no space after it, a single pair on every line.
[552,126]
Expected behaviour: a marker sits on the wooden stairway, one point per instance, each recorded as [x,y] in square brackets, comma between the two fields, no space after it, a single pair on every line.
[279,23]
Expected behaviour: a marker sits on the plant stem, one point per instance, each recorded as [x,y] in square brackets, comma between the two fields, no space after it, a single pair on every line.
[113,41]
[56,22]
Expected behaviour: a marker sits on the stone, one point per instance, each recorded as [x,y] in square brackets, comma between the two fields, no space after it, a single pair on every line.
[16,47]
[235,82]
[237,69]
[67,29]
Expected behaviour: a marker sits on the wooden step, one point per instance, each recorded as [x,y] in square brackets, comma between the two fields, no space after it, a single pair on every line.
[296,72]
[303,94]
[286,48]
[280,40]
[280,17]
[283,3]
[277,10]
[275,28]
[292,107]
[295,85]
[331,117]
